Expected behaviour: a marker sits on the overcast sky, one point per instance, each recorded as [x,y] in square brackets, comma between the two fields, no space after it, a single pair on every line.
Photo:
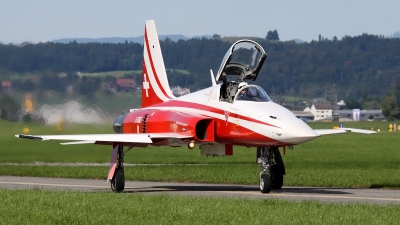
[46,20]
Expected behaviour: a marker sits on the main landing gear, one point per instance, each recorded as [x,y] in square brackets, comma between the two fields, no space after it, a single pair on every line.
[118,180]
[273,169]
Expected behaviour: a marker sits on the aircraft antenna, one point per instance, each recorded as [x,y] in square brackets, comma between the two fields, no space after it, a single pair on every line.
[213,78]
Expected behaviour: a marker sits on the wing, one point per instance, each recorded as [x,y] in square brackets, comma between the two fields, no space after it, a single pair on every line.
[361,131]
[328,131]
[145,138]
[343,130]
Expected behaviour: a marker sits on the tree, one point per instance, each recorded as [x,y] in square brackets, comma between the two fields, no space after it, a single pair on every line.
[389,108]
[167,40]
[352,104]
[272,36]
[88,86]
[9,108]
[51,81]
[216,36]
[110,78]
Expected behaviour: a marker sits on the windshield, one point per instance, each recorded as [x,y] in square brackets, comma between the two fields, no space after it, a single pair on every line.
[252,93]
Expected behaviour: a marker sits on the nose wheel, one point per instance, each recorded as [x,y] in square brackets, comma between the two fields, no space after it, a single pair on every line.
[265,182]
[273,169]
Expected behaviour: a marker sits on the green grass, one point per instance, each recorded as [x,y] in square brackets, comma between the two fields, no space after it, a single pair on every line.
[382,125]
[182,71]
[64,207]
[116,73]
[119,102]
[342,160]
[295,98]
[110,104]
[120,73]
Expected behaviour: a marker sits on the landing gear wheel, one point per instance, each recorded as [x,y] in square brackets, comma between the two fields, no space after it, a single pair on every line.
[269,158]
[265,183]
[277,176]
[118,181]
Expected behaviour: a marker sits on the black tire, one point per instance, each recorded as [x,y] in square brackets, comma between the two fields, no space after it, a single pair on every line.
[277,176]
[118,181]
[265,183]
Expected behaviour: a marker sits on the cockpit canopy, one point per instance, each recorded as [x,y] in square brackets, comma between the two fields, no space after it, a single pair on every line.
[243,60]
[252,93]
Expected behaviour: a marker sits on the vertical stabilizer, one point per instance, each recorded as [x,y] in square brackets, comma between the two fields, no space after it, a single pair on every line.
[155,87]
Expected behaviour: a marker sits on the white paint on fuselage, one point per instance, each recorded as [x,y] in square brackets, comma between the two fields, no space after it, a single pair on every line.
[283,125]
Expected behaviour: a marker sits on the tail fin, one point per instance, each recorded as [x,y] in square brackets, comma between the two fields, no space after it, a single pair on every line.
[155,83]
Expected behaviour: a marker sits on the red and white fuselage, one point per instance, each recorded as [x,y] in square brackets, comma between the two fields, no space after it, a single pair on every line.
[203,115]
[244,123]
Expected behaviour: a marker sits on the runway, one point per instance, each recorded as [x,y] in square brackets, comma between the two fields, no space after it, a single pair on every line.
[343,195]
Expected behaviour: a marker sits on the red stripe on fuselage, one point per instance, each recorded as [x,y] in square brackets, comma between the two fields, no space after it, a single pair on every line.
[152,65]
[177,103]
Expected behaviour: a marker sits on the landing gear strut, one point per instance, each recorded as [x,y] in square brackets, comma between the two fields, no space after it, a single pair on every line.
[118,180]
[273,169]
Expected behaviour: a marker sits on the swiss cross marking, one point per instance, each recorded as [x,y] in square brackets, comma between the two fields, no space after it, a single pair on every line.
[146,85]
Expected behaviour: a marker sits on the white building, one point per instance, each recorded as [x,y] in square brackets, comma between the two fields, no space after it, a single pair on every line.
[179,91]
[341,103]
[320,111]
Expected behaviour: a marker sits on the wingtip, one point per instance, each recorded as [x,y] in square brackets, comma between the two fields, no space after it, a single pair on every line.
[29,137]
[355,130]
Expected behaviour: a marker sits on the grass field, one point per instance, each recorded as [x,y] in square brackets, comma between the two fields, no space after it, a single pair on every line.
[119,102]
[343,160]
[48,207]
[120,73]
[116,73]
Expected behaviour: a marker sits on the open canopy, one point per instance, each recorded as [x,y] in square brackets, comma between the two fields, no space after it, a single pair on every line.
[243,60]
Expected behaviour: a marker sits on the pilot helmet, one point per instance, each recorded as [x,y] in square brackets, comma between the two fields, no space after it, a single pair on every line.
[242,84]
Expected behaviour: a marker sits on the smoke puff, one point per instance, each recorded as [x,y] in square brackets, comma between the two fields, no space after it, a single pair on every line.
[71,111]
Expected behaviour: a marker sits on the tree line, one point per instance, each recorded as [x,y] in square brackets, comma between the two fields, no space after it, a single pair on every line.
[354,68]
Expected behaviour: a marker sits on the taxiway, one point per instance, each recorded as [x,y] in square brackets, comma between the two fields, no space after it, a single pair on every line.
[344,195]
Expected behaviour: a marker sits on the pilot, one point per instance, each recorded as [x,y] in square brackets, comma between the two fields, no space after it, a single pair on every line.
[243,95]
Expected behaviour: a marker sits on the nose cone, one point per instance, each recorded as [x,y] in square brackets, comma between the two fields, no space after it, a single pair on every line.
[298,133]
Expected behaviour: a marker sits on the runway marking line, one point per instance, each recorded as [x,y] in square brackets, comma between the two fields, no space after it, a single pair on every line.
[59,185]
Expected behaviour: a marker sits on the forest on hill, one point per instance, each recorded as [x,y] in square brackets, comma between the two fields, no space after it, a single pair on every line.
[365,66]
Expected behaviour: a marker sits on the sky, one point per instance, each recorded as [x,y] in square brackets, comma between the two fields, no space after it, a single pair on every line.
[46,20]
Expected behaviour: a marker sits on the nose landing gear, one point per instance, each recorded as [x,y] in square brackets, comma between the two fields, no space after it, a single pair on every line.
[273,169]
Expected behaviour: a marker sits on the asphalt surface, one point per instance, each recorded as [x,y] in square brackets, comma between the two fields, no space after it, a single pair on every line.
[342,195]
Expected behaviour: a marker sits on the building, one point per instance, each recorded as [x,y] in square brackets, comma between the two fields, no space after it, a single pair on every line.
[179,91]
[304,115]
[341,103]
[319,101]
[320,111]
[364,115]
[123,84]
